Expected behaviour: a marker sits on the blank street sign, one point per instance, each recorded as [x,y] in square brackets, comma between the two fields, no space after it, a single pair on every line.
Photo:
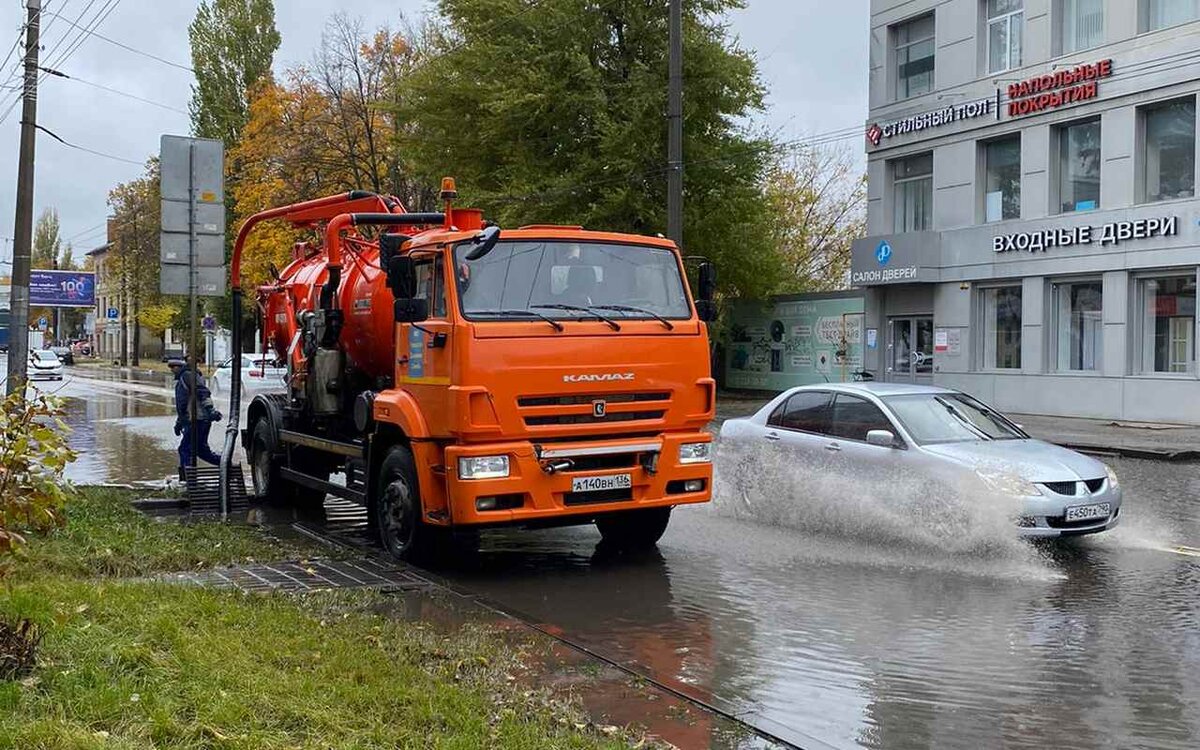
[210,249]
[210,217]
[209,166]
[210,282]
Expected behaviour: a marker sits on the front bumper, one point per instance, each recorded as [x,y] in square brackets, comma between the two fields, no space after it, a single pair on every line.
[1048,514]
[532,495]
[33,374]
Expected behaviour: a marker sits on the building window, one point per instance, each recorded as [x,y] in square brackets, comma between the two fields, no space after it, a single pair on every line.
[1079,325]
[1002,179]
[1168,330]
[1159,14]
[913,180]
[914,57]
[1170,149]
[1002,328]
[1006,22]
[1079,166]
[1081,24]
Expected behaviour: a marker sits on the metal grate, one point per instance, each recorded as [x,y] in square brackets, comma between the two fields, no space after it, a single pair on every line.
[587,398]
[1060,488]
[306,575]
[1094,485]
[204,490]
[620,416]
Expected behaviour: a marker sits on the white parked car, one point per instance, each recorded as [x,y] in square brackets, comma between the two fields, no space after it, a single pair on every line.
[942,436]
[44,364]
[259,375]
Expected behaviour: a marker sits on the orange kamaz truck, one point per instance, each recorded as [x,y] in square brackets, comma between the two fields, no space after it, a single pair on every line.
[461,376]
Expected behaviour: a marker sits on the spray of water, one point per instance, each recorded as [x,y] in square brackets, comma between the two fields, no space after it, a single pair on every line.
[829,500]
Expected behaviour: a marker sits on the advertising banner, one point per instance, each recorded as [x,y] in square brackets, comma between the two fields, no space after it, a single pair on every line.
[62,289]
[782,343]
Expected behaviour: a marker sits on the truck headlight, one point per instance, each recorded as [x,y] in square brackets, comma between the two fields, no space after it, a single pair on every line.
[483,467]
[695,453]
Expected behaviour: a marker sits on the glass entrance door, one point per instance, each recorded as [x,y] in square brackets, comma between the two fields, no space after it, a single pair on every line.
[910,350]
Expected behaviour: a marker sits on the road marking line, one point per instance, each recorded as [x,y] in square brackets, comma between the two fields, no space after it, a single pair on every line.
[1185,551]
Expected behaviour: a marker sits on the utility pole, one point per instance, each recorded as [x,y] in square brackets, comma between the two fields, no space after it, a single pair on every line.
[18,345]
[675,124]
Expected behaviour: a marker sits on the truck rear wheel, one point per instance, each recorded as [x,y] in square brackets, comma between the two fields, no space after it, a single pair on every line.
[264,472]
[397,507]
[634,529]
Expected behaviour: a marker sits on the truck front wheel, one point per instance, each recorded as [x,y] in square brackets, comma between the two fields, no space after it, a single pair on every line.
[398,507]
[634,529]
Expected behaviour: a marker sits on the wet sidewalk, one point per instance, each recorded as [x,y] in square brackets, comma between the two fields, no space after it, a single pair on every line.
[1152,440]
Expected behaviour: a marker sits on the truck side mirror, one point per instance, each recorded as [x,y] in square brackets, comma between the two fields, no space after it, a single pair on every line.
[706,310]
[484,242]
[708,281]
[411,309]
[402,277]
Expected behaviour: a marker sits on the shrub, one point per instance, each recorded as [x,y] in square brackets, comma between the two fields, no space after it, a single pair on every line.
[18,648]
[33,454]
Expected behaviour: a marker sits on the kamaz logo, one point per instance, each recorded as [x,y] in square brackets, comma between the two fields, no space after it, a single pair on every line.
[605,378]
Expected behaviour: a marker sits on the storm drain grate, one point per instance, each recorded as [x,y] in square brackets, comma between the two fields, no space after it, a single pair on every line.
[305,575]
[204,490]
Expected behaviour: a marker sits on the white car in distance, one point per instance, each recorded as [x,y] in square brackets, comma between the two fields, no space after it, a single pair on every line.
[259,375]
[939,437]
[44,364]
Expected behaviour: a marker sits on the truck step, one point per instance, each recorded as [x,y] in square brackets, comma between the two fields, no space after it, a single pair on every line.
[204,490]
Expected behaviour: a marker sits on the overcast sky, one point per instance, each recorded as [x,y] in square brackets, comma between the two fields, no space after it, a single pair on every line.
[814,63]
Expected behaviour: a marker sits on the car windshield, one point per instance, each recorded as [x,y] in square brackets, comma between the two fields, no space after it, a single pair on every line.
[46,355]
[949,418]
[564,279]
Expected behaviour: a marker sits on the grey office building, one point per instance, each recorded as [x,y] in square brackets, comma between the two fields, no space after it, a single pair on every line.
[1034,232]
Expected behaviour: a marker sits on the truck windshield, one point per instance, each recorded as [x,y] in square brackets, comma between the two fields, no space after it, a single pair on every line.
[571,280]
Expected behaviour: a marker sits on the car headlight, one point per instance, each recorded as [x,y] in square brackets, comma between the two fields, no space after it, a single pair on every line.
[695,453]
[1113,482]
[1009,485]
[483,467]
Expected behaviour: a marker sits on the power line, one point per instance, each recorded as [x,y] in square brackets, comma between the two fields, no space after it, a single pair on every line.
[128,48]
[100,17]
[135,97]
[76,146]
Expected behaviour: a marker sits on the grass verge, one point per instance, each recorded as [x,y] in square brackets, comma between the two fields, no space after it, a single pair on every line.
[134,664]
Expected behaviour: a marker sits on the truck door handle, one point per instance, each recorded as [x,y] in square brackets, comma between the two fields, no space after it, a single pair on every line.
[833,447]
[772,436]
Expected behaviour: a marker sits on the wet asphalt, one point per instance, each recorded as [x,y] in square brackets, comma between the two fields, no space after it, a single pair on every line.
[833,639]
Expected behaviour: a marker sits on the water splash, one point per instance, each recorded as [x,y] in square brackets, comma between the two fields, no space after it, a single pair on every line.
[891,516]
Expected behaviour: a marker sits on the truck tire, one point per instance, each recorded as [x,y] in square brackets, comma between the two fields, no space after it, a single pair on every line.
[264,465]
[634,529]
[397,507]
[264,473]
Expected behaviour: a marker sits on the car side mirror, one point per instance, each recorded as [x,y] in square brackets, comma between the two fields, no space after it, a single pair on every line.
[411,310]
[881,438]
[706,310]
[402,277]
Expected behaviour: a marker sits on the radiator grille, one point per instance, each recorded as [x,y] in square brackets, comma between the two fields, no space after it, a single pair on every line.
[622,416]
[576,399]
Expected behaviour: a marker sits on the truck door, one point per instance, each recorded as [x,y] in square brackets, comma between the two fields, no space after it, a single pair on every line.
[424,350]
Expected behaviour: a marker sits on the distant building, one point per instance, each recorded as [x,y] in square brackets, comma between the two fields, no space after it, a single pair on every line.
[1032,213]
[114,310]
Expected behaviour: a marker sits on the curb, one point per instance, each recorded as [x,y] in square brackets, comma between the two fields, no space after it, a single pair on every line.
[1147,454]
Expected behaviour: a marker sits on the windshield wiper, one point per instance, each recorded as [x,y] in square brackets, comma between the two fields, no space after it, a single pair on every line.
[640,311]
[589,310]
[524,313]
[954,412]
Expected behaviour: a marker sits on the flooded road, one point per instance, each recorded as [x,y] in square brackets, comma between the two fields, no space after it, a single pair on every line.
[833,636]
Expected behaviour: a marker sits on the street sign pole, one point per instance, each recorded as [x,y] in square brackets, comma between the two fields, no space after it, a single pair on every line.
[193,412]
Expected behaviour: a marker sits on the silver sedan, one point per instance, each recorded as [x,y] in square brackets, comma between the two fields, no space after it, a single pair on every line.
[946,437]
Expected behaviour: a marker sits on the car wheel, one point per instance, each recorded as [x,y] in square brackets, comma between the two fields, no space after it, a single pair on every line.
[397,507]
[634,529]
